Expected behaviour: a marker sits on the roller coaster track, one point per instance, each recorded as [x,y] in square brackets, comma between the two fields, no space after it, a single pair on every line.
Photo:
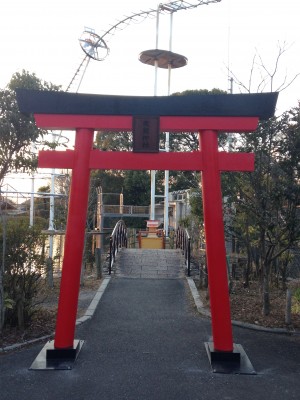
[163,8]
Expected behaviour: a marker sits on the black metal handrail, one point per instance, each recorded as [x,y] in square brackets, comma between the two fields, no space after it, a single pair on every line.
[117,240]
[183,242]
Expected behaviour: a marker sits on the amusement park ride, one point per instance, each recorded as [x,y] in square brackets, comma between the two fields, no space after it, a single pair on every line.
[208,115]
[95,47]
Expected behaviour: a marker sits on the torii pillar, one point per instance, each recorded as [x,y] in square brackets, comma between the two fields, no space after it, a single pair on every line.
[208,115]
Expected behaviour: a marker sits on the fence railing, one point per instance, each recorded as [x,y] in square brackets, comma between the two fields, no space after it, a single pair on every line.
[117,240]
[183,242]
[119,209]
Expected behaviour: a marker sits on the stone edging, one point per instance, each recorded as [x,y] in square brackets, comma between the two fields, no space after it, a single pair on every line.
[94,303]
[87,315]
[203,311]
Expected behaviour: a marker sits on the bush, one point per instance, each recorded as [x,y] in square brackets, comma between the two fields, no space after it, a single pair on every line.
[23,253]
[296,301]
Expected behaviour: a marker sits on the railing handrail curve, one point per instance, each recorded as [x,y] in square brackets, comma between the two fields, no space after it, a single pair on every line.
[183,242]
[117,239]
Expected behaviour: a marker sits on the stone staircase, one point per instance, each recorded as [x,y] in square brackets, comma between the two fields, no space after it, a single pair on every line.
[149,264]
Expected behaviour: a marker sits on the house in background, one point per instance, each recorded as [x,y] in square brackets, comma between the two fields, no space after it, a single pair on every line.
[179,207]
[8,207]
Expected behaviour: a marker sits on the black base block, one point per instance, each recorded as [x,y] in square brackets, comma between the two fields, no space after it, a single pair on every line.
[225,362]
[50,358]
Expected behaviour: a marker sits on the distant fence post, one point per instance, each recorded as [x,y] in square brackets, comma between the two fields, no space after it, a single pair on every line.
[98,254]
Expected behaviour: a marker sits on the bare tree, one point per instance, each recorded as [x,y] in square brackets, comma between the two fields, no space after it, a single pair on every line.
[266,75]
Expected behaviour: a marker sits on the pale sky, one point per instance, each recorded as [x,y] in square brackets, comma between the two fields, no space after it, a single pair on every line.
[42,37]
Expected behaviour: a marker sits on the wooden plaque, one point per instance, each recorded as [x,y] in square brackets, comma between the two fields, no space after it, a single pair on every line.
[145,134]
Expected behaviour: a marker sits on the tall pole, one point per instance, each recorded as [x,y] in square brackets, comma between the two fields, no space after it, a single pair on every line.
[156,46]
[167,143]
[99,220]
[31,217]
[74,242]
[51,212]
[31,214]
[121,203]
[153,172]
[215,242]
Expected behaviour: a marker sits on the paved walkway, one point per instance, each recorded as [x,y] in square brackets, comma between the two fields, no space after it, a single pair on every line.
[145,342]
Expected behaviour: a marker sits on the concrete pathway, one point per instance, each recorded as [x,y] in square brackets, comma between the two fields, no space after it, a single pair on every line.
[146,342]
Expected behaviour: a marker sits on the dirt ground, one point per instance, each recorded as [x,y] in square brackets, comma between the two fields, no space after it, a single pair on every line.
[246,306]
[43,321]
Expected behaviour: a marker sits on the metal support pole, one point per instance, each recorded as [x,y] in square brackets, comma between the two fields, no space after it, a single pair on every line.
[156,46]
[31,215]
[99,218]
[51,214]
[153,173]
[157,27]
[121,203]
[152,206]
[31,219]
[166,204]
[167,143]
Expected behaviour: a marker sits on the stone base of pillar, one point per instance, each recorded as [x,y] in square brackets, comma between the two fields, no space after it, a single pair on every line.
[229,362]
[51,358]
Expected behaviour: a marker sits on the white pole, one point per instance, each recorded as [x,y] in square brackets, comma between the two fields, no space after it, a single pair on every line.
[171,32]
[51,213]
[153,173]
[156,46]
[99,220]
[166,208]
[152,207]
[32,202]
[52,192]
[121,203]
[167,143]
[31,214]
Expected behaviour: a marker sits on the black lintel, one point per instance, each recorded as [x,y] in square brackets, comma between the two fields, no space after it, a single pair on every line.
[260,105]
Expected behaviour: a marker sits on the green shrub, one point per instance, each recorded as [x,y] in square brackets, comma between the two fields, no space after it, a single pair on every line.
[24,260]
[296,301]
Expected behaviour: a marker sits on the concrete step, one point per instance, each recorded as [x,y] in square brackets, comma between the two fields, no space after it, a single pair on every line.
[149,264]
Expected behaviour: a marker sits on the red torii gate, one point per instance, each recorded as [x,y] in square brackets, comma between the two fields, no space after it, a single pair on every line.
[57,110]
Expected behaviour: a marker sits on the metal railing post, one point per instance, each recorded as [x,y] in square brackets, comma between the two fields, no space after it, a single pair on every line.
[117,240]
[189,257]
[110,254]
[183,242]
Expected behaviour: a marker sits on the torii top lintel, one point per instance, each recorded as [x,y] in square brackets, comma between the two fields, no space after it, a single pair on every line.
[225,112]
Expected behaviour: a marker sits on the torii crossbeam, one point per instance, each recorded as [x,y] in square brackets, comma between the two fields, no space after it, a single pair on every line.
[209,115]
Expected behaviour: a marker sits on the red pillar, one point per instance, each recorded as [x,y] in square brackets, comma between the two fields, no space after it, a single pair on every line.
[215,242]
[74,241]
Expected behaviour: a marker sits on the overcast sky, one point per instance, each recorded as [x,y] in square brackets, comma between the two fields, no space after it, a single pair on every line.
[42,37]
